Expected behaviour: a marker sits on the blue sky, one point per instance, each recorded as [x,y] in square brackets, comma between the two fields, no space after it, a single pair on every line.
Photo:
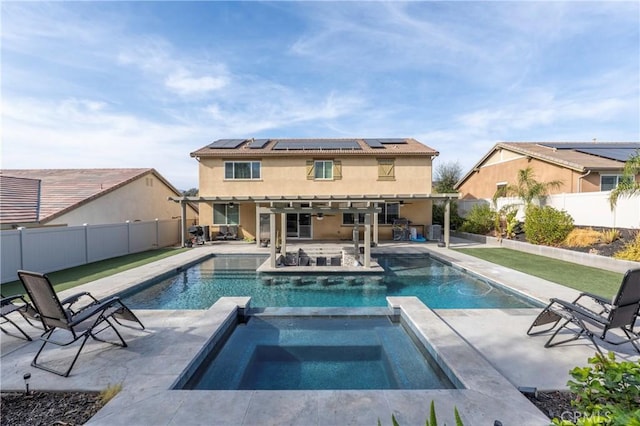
[143,84]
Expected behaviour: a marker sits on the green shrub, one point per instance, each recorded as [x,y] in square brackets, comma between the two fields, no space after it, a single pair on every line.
[607,393]
[455,221]
[546,225]
[480,220]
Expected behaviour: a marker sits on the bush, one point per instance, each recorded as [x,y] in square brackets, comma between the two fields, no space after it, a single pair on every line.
[546,225]
[455,221]
[480,220]
[631,250]
[607,393]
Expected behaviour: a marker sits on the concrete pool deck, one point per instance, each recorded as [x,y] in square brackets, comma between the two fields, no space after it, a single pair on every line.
[156,357]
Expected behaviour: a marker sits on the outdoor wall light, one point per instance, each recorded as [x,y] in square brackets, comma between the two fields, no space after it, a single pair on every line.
[27,378]
[231,205]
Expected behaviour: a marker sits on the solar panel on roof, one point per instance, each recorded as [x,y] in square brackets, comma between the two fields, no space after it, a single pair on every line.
[374,143]
[392,140]
[316,145]
[618,154]
[226,143]
[590,145]
[258,143]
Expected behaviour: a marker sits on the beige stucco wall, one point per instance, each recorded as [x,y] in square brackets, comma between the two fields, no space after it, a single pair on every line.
[286,176]
[483,182]
[144,199]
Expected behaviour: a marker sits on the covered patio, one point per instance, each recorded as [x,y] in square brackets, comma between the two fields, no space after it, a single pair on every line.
[320,206]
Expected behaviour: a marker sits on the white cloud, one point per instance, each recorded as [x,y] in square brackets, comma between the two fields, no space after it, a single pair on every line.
[183,83]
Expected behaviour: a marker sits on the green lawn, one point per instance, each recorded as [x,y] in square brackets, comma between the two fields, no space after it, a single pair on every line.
[582,278]
[69,278]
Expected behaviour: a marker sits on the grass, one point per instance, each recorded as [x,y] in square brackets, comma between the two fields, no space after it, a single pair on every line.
[582,278]
[72,277]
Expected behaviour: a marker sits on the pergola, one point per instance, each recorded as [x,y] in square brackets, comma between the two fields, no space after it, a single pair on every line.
[320,205]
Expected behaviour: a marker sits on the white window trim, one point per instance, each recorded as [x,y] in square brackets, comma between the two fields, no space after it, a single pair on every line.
[315,169]
[616,175]
[250,170]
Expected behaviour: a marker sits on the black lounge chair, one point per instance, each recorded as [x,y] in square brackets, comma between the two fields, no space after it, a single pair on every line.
[90,317]
[25,309]
[232,233]
[620,313]
[222,233]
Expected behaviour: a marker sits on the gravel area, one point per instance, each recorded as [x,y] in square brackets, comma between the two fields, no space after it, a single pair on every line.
[48,408]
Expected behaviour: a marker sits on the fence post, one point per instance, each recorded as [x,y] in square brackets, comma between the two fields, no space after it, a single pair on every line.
[21,230]
[128,222]
[86,243]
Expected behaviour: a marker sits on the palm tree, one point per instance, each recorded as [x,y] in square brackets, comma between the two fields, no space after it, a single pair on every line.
[528,188]
[628,185]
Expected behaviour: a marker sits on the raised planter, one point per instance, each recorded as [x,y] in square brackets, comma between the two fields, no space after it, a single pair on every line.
[586,259]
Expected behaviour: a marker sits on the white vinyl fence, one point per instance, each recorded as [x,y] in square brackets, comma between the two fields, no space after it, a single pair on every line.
[54,248]
[586,208]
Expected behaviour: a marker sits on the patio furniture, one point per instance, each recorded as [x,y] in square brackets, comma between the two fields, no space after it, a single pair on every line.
[222,233]
[232,233]
[89,318]
[25,309]
[620,313]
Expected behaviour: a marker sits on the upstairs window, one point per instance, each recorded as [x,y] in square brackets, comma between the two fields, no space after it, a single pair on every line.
[324,170]
[609,182]
[242,170]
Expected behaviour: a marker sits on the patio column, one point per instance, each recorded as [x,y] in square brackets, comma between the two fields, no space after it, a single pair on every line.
[447,212]
[258,209]
[183,222]
[367,240]
[375,228]
[283,233]
[356,237]
[272,239]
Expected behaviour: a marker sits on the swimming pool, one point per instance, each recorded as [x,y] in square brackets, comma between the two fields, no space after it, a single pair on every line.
[436,284]
[310,353]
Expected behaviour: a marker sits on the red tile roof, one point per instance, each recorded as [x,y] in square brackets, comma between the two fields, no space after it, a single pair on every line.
[65,189]
[19,200]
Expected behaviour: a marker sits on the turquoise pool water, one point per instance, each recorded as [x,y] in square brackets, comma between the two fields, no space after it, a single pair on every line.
[436,284]
[298,353]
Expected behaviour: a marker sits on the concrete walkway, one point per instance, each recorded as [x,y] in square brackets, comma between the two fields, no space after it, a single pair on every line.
[157,355]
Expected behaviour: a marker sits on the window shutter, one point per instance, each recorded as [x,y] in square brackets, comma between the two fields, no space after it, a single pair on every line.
[337,170]
[310,171]
[386,170]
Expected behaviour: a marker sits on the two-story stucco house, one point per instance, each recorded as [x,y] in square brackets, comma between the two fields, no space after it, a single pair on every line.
[580,166]
[319,189]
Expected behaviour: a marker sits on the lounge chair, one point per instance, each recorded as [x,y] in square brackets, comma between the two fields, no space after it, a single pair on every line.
[82,315]
[222,233]
[620,313]
[25,309]
[321,261]
[232,233]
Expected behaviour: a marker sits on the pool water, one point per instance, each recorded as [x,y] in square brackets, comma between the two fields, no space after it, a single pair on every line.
[306,353]
[436,284]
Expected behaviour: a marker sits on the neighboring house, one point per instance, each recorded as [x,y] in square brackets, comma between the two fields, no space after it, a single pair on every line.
[320,189]
[581,166]
[74,197]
